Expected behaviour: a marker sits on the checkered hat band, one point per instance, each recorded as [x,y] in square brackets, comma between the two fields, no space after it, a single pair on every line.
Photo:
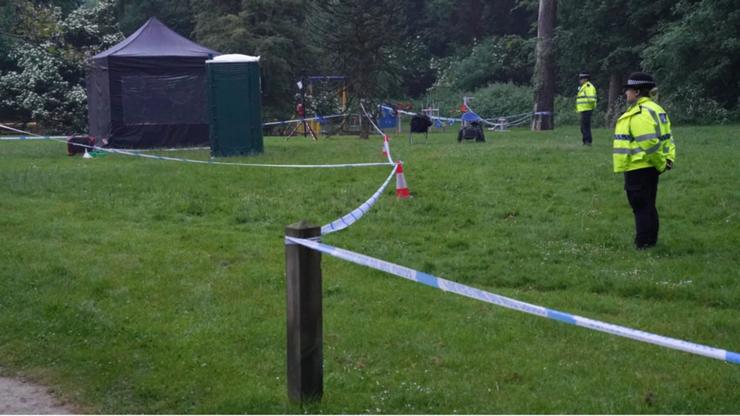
[638,82]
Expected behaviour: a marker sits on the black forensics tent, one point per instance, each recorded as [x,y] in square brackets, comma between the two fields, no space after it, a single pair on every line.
[149,91]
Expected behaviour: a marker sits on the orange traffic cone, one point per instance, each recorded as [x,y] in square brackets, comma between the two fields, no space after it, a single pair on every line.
[385,145]
[402,191]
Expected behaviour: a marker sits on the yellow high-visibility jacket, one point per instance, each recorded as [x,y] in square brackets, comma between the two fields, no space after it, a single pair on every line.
[642,138]
[586,97]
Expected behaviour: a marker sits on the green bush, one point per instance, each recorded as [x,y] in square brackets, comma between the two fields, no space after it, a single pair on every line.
[497,59]
[565,112]
[688,105]
[502,100]
[566,115]
[495,100]
[46,84]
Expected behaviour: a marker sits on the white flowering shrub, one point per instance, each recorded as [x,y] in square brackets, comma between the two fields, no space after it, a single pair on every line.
[47,83]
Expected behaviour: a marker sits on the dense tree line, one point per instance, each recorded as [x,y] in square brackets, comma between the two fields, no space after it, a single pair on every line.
[405,50]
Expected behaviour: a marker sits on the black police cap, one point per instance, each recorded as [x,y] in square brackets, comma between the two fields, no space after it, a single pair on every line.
[639,80]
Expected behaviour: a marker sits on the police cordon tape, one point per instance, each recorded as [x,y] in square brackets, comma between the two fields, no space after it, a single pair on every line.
[138,153]
[355,215]
[336,225]
[488,297]
[14,138]
[299,120]
[30,135]
[370,119]
[439,283]
[518,121]
[508,121]
[272,123]
[409,113]
[168,149]
[349,219]
[490,120]
[386,139]
[262,165]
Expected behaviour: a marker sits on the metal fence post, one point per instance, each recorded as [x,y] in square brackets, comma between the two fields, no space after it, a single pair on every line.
[305,339]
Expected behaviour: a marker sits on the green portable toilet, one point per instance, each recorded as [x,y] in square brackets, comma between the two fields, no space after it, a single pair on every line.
[234,105]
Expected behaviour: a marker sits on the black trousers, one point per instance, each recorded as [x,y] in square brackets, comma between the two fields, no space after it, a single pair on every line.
[586,126]
[641,186]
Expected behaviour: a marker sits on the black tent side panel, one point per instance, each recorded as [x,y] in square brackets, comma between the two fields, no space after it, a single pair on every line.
[98,100]
[157,102]
[149,90]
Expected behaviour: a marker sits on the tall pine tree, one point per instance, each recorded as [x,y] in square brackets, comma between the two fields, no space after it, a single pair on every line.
[271,29]
[357,38]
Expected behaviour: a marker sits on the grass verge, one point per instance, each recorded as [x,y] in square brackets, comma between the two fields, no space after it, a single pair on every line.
[142,286]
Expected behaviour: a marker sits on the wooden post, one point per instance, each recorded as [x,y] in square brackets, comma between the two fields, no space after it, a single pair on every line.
[305,339]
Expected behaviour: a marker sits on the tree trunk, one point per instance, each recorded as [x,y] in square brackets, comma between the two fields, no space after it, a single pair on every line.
[364,128]
[544,72]
[614,104]
[364,122]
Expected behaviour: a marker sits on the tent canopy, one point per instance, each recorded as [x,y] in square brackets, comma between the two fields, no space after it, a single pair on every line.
[149,90]
[155,39]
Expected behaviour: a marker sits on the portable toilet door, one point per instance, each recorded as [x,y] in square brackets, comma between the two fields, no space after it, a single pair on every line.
[234,105]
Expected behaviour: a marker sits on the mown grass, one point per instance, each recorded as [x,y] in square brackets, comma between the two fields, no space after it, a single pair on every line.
[141,286]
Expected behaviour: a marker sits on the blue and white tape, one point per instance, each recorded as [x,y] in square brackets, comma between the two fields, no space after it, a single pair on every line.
[511,120]
[409,113]
[488,297]
[520,120]
[162,149]
[490,120]
[261,165]
[14,138]
[386,145]
[355,215]
[298,120]
[139,153]
[372,123]
[27,135]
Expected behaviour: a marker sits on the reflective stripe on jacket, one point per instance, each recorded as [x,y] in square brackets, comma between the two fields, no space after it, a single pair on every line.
[642,138]
[586,97]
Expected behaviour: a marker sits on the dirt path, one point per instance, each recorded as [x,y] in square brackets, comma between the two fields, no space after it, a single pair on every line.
[21,397]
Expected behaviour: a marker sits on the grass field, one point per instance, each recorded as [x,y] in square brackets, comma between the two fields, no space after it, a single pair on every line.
[141,286]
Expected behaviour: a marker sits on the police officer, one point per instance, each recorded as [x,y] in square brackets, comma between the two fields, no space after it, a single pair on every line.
[643,149]
[585,105]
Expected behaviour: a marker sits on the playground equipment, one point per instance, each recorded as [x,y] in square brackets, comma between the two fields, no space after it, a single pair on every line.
[300,110]
[321,94]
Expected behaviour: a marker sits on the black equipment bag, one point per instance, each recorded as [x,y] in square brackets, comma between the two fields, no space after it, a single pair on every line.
[420,123]
[74,142]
